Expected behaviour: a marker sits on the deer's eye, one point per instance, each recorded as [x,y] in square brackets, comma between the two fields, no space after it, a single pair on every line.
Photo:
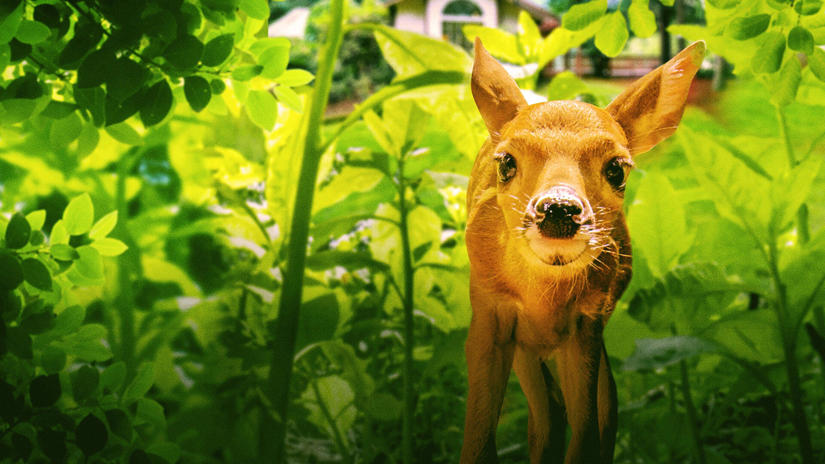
[614,173]
[506,167]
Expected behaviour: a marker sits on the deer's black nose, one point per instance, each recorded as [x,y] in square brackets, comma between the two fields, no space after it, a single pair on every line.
[558,218]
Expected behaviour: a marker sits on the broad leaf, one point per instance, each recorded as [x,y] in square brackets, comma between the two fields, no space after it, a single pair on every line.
[79,215]
[613,35]
[582,15]
[261,108]
[642,20]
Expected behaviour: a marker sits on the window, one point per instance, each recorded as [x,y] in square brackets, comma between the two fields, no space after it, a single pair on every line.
[455,16]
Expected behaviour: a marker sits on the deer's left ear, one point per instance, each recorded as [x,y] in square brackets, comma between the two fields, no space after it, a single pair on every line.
[651,108]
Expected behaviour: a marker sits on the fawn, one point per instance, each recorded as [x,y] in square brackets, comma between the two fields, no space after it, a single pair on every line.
[550,253]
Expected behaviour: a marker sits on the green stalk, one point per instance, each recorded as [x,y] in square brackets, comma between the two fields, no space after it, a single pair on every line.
[691,412]
[129,270]
[273,430]
[802,213]
[409,404]
[336,433]
[788,334]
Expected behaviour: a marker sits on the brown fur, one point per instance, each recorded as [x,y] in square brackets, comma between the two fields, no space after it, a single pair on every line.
[542,320]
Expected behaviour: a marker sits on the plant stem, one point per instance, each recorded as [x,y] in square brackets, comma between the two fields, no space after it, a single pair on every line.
[336,433]
[788,331]
[802,213]
[409,404]
[273,430]
[691,412]
[129,269]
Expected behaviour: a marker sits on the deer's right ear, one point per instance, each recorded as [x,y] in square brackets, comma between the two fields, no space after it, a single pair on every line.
[496,94]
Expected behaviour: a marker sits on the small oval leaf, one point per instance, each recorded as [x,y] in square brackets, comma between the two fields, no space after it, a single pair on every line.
[36,273]
[197,91]
[217,50]
[157,105]
[17,232]
[747,27]
[801,40]
[79,214]
[103,226]
[91,435]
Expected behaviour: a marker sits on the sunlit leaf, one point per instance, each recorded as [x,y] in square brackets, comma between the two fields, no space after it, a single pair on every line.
[141,384]
[79,215]
[295,77]
[642,20]
[613,35]
[768,58]
[109,246]
[584,14]
[501,44]
[261,108]
[103,226]
[746,27]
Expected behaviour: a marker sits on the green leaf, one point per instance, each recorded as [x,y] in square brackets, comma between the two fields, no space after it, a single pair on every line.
[244,73]
[688,298]
[656,353]
[334,395]
[69,320]
[124,133]
[801,40]
[807,7]
[150,411]
[124,78]
[657,203]
[63,252]
[157,104]
[295,78]
[87,343]
[185,52]
[91,435]
[642,20]
[36,273]
[274,60]
[197,92]
[11,21]
[217,50]
[786,83]
[501,44]
[261,108]
[258,9]
[768,58]
[582,15]
[384,407]
[113,376]
[104,226]
[411,54]
[32,32]
[318,320]
[109,246]
[141,384]
[52,359]
[95,68]
[65,131]
[89,264]
[724,4]
[529,37]
[44,390]
[84,382]
[288,97]
[18,232]
[816,61]
[79,215]
[119,423]
[747,27]
[613,35]
[58,109]
[19,343]
[218,86]
[36,219]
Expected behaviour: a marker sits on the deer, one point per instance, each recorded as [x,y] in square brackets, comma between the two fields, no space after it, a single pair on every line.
[550,253]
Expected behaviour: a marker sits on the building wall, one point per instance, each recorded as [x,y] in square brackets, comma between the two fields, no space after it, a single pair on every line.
[508,16]
[410,15]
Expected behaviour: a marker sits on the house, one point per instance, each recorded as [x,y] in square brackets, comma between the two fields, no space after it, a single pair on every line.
[445,18]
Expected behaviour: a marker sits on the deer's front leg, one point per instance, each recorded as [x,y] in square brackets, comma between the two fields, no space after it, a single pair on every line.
[578,363]
[489,352]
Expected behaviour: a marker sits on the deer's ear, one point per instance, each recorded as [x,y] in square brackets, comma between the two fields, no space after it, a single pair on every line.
[496,94]
[651,108]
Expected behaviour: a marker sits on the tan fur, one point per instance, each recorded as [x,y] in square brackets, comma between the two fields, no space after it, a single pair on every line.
[543,320]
